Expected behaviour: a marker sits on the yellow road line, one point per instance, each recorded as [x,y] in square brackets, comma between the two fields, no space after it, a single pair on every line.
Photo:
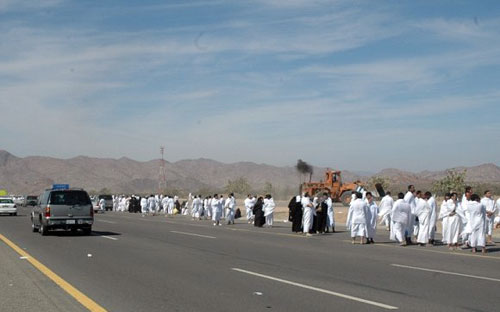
[434,251]
[67,287]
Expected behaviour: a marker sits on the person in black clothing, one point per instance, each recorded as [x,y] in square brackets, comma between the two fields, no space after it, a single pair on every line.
[322,214]
[259,213]
[295,214]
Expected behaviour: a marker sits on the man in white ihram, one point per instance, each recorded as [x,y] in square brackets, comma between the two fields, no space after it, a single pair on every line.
[478,223]
[269,206]
[307,217]
[357,219]
[230,204]
[249,208]
[400,218]
[216,210]
[491,210]
[431,201]
[102,204]
[385,210]
[371,226]
[423,212]
[331,215]
[410,199]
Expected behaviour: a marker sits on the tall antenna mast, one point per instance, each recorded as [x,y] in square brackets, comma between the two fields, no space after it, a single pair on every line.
[162,176]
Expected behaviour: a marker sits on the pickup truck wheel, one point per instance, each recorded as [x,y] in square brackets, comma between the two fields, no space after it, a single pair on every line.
[43,230]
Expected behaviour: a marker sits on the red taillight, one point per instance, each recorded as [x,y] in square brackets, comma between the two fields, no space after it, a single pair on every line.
[47,211]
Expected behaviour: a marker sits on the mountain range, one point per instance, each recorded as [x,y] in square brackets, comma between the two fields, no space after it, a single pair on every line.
[33,174]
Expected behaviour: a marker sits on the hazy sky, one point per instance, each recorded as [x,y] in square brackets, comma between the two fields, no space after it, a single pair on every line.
[346,84]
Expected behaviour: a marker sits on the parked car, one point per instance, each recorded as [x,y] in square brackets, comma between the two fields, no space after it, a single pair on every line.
[7,206]
[68,209]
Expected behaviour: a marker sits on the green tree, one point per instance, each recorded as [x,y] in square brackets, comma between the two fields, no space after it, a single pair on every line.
[238,186]
[268,188]
[454,181]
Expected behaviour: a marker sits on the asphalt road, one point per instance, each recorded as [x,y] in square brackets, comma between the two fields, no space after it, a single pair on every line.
[176,264]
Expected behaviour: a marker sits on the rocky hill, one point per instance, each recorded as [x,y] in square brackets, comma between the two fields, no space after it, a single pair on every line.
[33,174]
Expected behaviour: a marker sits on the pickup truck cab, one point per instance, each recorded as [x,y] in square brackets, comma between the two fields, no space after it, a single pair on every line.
[68,209]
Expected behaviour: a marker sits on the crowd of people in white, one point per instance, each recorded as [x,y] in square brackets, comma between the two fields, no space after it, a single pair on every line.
[411,218]
[258,210]
[469,221]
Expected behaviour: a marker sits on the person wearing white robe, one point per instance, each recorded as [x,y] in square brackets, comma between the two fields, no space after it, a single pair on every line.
[195,213]
[410,199]
[115,203]
[152,204]
[431,200]
[372,217]
[170,205]
[269,206]
[209,208]
[478,223]
[157,203]
[123,206]
[249,208]
[222,201]
[400,218]
[199,209]
[331,215]
[451,221]
[491,211]
[497,218]
[463,213]
[216,210]
[357,219]
[307,216]
[164,204]
[231,205]
[423,212]
[386,205]
[102,204]
[144,206]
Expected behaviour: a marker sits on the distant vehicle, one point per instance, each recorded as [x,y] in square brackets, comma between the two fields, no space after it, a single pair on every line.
[334,187]
[108,199]
[19,200]
[30,200]
[7,206]
[68,209]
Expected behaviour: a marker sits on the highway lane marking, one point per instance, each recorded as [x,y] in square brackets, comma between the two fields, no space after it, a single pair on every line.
[434,251]
[67,287]
[446,272]
[109,237]
[192,234]
[106,221]
[224,227]
[325,291]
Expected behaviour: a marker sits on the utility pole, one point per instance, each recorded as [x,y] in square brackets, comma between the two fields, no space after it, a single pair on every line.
[162,175]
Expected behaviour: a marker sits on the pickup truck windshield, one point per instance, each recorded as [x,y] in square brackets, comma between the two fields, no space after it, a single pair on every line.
[69,198]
